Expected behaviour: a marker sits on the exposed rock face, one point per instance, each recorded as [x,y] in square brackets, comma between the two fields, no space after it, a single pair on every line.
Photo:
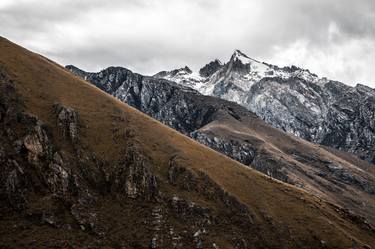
[293,99]
[58,178]
[199,182]
[238,150]
[14,187]
[331,114]
[346,176]
[224,126]
[184,75]
[134,178]
[36,142]
[181,71]
[203,218]
[210,68]
[67,122]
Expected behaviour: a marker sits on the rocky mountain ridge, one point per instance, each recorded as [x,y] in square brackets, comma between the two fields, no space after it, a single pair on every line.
[295,100]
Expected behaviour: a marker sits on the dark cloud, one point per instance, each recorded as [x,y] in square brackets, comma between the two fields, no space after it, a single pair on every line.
[334,38]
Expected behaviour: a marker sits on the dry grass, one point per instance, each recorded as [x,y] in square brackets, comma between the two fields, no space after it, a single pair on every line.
[281,146]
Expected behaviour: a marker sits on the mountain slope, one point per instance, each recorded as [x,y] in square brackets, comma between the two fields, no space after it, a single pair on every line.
[293,99]
[236,132]
[81,169]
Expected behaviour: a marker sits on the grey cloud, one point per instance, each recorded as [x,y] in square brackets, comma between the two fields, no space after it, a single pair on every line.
[152,35]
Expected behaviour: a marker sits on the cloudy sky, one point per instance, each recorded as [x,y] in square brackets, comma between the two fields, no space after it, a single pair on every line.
[333,38]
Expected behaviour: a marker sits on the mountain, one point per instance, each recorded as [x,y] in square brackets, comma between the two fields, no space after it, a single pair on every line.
[80,169]
[293,99]
[238,133]
[183,76]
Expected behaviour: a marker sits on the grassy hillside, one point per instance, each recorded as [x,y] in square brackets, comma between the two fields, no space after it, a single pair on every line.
[245,208]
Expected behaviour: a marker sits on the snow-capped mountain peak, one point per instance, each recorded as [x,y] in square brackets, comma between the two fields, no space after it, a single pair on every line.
[184,76]
[243,58]
[234,78]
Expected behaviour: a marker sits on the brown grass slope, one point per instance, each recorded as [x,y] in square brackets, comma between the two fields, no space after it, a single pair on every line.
[283,216]
[303,164]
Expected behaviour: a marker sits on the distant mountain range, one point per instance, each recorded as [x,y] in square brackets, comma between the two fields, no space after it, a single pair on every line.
[293,99]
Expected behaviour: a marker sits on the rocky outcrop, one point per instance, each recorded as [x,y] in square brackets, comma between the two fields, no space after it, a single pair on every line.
[346,176]
[210,68]
[248,154]
[67,122]
[203,218]
[14,187]
[201,183]
[181,71]
[238,150]
[133,177]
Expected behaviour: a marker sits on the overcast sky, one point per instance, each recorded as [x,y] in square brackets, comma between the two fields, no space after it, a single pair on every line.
[333,38]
